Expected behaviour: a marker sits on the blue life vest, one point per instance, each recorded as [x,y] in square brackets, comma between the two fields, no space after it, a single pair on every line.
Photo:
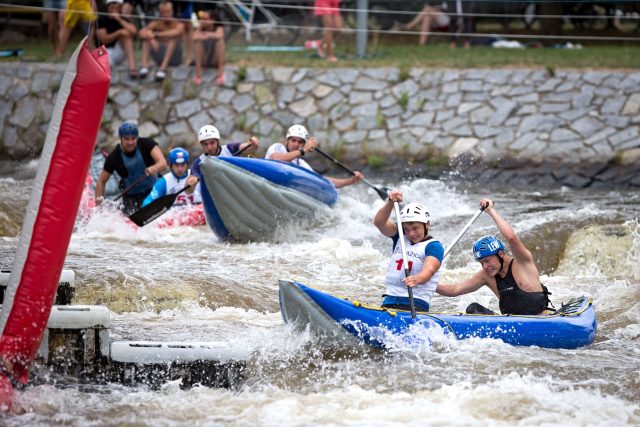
[135,168]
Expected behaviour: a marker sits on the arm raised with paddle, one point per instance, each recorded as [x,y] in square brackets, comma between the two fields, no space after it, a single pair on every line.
[413,270]
[382,192]
[298,143]
[514,279]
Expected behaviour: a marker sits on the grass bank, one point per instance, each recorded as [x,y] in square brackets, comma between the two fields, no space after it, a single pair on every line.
[406,55]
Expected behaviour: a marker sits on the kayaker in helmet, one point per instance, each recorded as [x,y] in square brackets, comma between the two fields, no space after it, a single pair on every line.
[514,279]
[209,139]
[175,180]
[424,255]
[132,158]
[297,144]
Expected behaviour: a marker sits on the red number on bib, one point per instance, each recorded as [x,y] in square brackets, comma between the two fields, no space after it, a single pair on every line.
[399,265]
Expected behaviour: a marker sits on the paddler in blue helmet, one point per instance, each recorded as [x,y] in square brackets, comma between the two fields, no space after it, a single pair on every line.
[138,161]
[175,180]
[515,280]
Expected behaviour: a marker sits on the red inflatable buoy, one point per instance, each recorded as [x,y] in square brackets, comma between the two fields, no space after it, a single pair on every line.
[51,213]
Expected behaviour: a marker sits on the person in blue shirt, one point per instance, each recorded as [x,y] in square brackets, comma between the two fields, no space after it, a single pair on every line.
[424,255]
[175,180]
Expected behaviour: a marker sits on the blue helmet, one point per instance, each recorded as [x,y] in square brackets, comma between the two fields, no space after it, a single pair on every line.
[128,129]
[178,155]
[487,246]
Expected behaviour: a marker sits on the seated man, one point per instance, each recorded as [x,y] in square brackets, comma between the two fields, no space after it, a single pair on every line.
[296,145]
[117,33]
[161,38]
[175,180]
[208,45]
[514,279]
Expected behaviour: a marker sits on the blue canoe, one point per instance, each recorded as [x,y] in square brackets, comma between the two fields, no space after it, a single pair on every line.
[248,199]
[340,320]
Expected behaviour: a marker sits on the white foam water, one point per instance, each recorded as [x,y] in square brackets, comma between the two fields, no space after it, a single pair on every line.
[183,284]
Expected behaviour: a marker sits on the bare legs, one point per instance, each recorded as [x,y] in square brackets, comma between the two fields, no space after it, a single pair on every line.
[151,44]
[426,18]
[127,46]
[55,21]
[217,60]
[331,24]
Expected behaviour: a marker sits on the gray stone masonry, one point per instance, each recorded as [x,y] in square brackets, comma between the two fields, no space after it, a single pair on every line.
[576,128]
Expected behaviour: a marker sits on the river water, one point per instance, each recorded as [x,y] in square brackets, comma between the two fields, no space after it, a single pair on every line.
[182,284]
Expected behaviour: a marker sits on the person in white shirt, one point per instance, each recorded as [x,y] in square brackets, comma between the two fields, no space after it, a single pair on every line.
[297,144]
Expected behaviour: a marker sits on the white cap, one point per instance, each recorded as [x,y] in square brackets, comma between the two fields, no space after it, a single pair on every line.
[298,131]
[114,1]
[208,132]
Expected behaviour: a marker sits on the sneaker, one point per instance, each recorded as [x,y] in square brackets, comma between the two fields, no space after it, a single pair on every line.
[160,75]
[144,72]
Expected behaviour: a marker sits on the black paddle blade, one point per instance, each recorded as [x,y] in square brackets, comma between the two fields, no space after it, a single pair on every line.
[382,192]
[153,210]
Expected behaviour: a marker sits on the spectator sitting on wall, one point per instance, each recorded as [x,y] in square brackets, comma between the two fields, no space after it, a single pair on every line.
[208,45]
[118,33]
[161,39]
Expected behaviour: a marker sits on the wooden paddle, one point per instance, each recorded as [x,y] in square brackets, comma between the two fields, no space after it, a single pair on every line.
[404,259]
[382,192]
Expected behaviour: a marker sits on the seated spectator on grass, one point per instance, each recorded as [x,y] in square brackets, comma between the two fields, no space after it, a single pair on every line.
[117,33]
[161,39]
[77,11]
[208,45]
[430,18]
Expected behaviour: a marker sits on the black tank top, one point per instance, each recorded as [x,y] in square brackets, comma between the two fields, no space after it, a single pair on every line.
[514,300]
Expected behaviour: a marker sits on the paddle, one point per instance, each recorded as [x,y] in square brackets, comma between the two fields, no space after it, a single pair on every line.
[382,192]
[153,210]
[464,230]
[126,190]
[404,259]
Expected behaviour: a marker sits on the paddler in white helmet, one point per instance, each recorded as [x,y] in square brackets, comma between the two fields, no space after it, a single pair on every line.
[298,143]
[209,139]
[424,255]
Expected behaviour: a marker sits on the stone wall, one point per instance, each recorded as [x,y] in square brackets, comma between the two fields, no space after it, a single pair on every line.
[579,128]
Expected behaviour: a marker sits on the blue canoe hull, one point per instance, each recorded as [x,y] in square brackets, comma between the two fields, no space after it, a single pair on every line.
[248,199]
[342,319]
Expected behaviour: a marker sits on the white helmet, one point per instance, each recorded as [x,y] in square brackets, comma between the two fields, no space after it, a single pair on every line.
[415,212]
[208,132]
[298,131]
